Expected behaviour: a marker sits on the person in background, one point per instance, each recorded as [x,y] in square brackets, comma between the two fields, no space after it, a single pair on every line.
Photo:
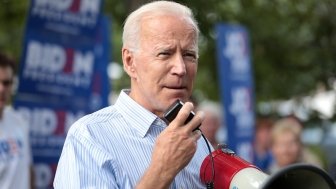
[308,155]
[262,156]
[15,155]
[212,123]
[128,144]
[286,144]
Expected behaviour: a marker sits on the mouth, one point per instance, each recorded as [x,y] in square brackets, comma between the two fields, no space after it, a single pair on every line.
[176,92]
[176,87]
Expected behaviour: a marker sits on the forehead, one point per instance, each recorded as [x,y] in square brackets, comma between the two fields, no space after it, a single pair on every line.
[162,28]
[285,135]
[6,72]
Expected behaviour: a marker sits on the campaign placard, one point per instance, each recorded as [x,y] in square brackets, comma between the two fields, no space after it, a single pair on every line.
[237,89]
[75,17]
[62,75]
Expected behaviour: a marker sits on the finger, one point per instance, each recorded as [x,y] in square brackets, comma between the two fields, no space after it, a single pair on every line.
[183,114]
[196,121]
[196,134]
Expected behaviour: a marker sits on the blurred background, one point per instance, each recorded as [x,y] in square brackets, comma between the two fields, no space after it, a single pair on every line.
[292,50]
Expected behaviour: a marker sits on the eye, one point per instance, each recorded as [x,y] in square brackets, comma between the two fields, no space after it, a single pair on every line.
[7,83]
[190,56]
[164,54]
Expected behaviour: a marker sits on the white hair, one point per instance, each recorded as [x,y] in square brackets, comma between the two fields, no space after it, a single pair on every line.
[213,108]
[131,31]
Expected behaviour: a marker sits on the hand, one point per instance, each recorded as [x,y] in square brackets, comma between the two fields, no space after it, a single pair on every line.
[175,147]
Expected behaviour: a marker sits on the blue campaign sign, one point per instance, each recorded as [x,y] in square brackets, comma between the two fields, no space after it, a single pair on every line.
[48,127]
[62,77]
[55,67]
[65,16]
[236,84]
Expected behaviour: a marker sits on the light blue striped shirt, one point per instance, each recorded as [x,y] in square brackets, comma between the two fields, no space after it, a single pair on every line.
[112,148]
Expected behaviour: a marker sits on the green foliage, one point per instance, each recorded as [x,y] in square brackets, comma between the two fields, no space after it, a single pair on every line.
[12,22]
[293,43]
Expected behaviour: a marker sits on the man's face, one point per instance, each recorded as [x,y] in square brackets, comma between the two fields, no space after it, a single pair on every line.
[6,78]
[165,63]
[263,136]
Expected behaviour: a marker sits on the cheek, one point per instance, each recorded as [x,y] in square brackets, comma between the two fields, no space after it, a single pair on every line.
[7,91]
[276,149]
[144,69]
[192,70]
[295,150]
[280,149]
[191,74]
[152,77]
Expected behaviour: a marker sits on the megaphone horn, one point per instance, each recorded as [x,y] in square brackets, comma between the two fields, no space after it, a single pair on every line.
[232,172]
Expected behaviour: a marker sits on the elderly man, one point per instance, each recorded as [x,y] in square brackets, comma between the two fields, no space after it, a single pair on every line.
[129,145]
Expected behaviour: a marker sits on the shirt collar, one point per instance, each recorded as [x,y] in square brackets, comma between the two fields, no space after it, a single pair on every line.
[137,116]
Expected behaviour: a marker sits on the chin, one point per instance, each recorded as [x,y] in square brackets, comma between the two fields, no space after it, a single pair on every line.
[182,95]
[182,98]
[172,95]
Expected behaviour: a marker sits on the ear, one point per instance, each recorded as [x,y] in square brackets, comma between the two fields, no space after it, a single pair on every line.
[128,62]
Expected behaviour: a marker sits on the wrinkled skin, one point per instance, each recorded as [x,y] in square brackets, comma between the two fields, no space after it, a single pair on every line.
[162,69]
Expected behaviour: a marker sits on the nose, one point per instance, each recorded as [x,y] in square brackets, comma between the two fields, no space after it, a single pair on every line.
[179,66]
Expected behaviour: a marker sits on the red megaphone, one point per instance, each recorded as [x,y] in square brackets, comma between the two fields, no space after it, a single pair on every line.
[225,170]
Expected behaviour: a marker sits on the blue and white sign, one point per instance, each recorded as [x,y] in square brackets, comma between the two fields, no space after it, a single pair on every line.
[62,76]
[236,84]
[55,68]
[65,16]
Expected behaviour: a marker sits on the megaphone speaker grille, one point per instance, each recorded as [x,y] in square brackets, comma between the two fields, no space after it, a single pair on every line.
[300,176]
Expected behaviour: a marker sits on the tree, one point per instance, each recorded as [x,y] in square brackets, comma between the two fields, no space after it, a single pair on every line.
[293,43]
[12,22]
